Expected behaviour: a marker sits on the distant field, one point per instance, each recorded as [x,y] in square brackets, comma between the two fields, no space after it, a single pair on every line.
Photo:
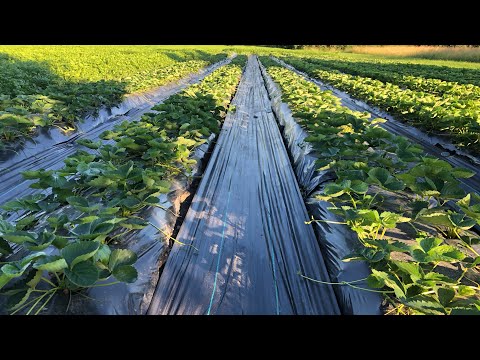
[351,56]
[457,53]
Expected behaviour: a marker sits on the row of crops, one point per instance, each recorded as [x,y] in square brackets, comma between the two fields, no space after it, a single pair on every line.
[446,72]
[58,86]
[450,109]
[64,236]
[397,200]
[414,222]
[422,79]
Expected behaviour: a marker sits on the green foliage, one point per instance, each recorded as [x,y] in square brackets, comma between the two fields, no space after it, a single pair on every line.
[107,192]
[457,82]
[370,165]
[43,86]
[437,106]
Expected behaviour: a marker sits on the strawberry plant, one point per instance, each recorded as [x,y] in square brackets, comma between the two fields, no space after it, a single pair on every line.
[435,270]
[46,86]
[67,235]
[453,114]
[406,75]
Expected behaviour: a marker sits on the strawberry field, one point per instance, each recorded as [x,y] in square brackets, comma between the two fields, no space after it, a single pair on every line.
[58,86]
[69,221]
[451,110]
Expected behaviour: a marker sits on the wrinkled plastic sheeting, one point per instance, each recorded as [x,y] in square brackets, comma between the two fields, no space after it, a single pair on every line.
[51,146]
[247,222]
[336,241]
[435,145]
[150,246]
[432,145]
[49,137]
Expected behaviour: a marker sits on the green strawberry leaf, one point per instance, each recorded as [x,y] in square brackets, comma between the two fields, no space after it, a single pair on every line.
[445,295]
[44,240]
[82,274]
[79,251]
[103,254]
[414,270]
[19,237]
[125,273]
[121,257]
[52,263]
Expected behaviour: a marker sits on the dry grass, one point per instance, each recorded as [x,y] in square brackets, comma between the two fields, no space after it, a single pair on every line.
[458,53]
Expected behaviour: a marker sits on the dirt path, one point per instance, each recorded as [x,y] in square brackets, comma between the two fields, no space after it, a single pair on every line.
[246,223]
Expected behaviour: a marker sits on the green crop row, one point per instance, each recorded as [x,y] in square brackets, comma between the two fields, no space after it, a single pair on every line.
[447,115]
[426,69]
[421,80]
[58,86]
[27,67]
[371,168]
[106,189]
